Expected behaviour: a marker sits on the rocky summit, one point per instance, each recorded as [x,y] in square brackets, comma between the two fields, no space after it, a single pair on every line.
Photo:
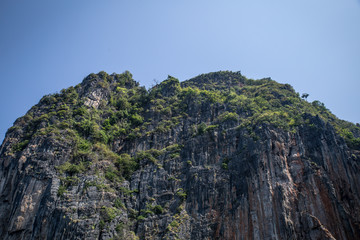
[219,156]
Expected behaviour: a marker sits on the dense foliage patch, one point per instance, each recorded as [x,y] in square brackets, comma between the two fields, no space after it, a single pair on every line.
[127,112]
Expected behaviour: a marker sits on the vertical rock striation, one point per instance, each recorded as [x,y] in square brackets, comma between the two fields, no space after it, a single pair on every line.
[203,174]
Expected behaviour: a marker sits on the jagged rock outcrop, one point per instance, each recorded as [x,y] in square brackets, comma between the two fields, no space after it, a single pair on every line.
[204,159]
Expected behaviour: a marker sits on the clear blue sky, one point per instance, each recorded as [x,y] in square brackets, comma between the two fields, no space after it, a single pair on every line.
[47,45]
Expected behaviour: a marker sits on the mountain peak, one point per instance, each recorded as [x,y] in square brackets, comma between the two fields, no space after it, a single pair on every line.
[218,156]
[216,80]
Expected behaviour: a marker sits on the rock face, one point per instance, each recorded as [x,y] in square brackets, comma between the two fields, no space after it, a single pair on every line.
[193,171]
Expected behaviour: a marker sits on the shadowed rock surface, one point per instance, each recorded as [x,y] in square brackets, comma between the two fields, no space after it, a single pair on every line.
[219,156]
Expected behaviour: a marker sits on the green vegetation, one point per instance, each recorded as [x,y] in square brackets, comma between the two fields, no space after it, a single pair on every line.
[101,224]
[126,165]
[61,191]
[150,210]
[120,228]
[179,218]
[70,181]
[129,114]
[158,209]
[225,163]
[174,224]
[180,193]
[349,137]
[20,146]
[119,204]
[127,192]
[71,169]
[201,128]
[221,80]
[305,96]
[150,155]
[109,213]
[228,116]
[141,218]
[112,174]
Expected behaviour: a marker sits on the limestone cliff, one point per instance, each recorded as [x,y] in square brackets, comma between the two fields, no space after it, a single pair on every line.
[219,156]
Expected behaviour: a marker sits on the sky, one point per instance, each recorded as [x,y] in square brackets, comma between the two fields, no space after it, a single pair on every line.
[48,45]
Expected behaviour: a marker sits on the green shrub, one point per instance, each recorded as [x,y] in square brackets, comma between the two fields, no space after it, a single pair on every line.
[351,141]
[87,127]
[83,145]
[180,193]
[101,224]
[225,163]
[109,213]
[151,154]
[120,228]
[62,113]
[147,212]
[174,155]
[126,165]
[136,119]
[174,148]
[70,181]
[63,125]
[20,146]
[61,191]
[211,128]
[228,116]
[101,136]
[119,204]
[112,175]
[71,169]
[201,128]
[175,224]
[158,209]
[319,105]
[224,166]
[128,192]
[80,111]
[141,218]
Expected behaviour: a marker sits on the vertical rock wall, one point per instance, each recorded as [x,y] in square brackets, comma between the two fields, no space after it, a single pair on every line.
[222,183]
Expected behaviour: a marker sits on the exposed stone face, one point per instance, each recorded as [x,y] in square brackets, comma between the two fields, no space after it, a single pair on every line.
[281,185]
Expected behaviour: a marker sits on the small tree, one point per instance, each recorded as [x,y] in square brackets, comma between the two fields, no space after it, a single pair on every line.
[304,96]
